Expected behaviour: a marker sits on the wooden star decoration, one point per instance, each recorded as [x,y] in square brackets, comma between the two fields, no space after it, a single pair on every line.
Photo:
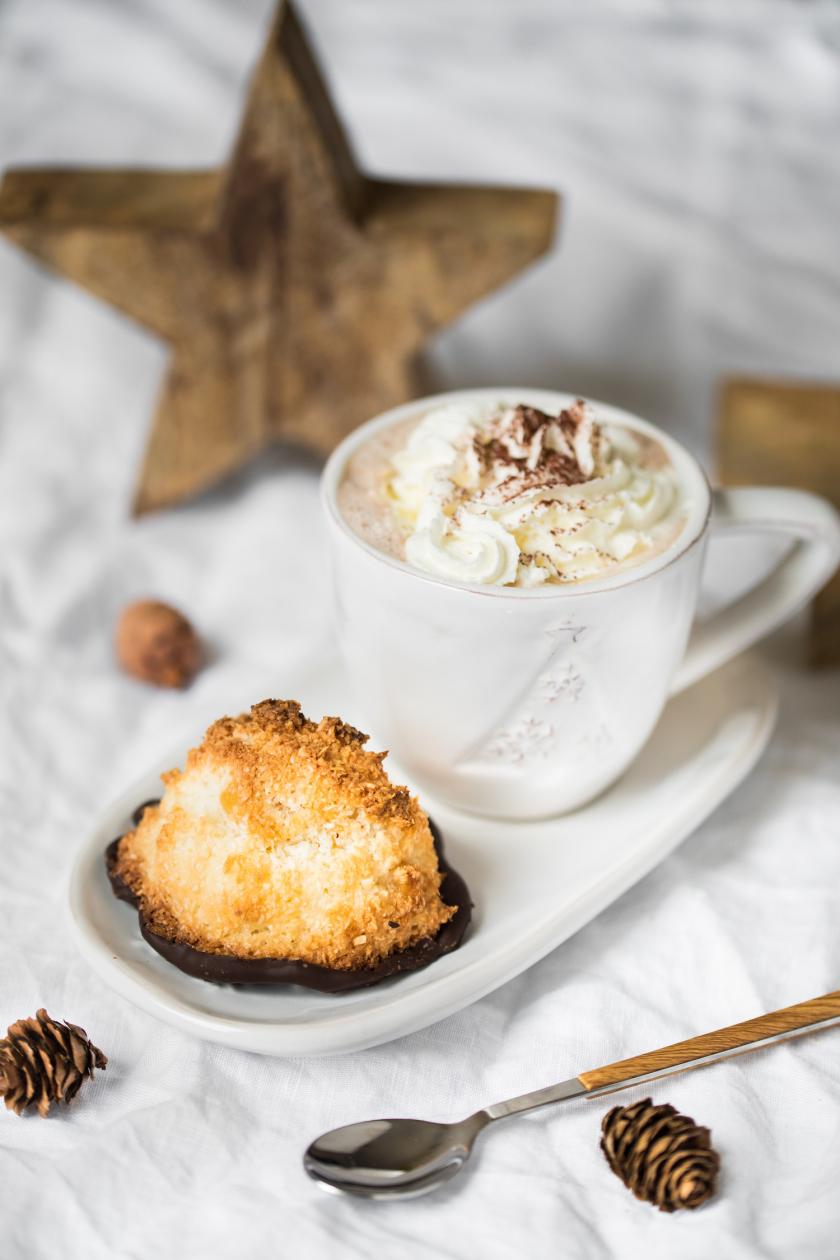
[295,291]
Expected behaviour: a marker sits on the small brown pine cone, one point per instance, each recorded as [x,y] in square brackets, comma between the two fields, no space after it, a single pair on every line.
[155,643]
[661,1155]
[44,1061]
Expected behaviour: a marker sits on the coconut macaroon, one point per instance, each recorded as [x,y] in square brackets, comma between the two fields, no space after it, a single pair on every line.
[283,838]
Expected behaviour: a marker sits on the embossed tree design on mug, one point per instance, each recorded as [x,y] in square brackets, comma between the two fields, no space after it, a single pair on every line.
[517,574]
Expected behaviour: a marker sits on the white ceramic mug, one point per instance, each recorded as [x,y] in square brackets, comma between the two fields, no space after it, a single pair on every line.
[523,703]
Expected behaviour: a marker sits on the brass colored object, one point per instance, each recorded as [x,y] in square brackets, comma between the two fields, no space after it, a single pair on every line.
[787,433]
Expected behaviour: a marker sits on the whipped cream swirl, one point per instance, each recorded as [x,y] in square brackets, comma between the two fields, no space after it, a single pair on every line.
[510,496]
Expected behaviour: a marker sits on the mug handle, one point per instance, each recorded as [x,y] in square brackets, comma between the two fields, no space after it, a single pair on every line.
[815,526]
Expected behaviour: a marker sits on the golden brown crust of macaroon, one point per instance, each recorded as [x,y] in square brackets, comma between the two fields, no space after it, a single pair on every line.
[284,838]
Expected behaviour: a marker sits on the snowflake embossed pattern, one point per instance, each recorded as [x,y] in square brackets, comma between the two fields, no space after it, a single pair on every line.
[567,685]
[561,683]
[527,738]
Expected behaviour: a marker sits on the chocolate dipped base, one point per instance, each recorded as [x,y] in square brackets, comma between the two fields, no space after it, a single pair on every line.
[228,969]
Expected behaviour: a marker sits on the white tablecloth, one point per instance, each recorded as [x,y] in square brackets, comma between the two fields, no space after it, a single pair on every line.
[697,144]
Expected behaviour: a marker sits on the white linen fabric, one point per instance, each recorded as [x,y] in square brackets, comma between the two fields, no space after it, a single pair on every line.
[697,145]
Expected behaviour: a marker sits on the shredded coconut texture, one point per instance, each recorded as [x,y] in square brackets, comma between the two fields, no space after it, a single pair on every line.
[283,838]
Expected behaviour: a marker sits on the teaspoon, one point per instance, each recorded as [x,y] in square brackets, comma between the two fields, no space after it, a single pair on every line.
[391,1159]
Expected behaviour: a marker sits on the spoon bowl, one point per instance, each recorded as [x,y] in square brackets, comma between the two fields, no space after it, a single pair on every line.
[390,1158]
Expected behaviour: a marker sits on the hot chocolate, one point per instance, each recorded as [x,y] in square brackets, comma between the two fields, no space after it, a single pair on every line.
[506,495]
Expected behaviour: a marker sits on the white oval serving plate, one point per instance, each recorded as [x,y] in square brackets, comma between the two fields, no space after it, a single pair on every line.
[533,884]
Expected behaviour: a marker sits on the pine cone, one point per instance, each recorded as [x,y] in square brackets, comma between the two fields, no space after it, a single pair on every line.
[44,1061]
[156,643]
[661,1155]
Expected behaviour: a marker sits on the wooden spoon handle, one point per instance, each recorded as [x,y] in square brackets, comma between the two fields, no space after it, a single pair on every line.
[791,1021]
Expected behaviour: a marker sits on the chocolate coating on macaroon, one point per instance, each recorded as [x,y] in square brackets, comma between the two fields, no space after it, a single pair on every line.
[228,969]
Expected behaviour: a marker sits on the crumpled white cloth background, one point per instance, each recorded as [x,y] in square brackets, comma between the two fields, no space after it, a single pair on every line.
[697,146]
